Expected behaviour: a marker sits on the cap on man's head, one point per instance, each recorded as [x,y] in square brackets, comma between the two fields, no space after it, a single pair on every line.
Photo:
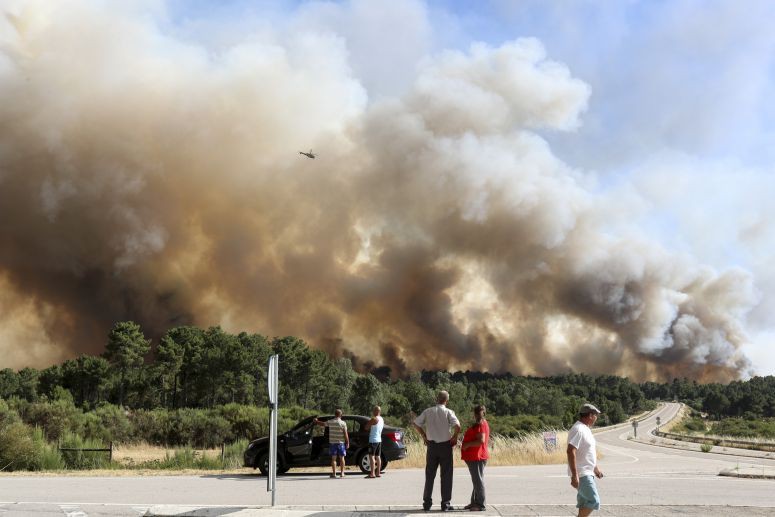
[587,409]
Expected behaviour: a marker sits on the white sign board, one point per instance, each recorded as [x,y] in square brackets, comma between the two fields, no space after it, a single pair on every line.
[550,440]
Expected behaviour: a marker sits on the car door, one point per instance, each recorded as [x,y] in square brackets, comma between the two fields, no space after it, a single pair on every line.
[299,445]
[359,438]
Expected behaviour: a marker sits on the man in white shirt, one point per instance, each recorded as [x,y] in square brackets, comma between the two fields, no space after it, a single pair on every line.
[439,428]
[582,460]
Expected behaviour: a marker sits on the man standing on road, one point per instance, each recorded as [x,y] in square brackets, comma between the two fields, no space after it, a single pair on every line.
[582,460]
[338,440]
[439,428]
[375,426]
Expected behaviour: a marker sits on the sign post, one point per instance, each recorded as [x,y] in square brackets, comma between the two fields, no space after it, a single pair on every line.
[635,428]
[658,421]
[272,382]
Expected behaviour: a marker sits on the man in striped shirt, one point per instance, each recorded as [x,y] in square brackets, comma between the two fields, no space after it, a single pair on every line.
[338,441]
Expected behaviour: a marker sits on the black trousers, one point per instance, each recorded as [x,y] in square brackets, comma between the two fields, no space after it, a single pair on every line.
[438,455]
[476,468]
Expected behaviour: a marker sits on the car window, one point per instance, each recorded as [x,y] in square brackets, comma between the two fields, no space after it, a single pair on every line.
[353,426]
[318,430]
[302,426]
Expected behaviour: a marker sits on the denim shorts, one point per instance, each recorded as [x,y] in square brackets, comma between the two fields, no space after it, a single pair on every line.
[587,496]
[337,449]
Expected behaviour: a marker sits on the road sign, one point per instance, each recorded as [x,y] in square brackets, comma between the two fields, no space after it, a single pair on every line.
[550,440]
[272,385]
[635,428]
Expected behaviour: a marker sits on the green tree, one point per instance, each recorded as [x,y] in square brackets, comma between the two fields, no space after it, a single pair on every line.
[716,403]
[9,383]
[28,384]
[126,350]
[337,388]
[367,393]
[85,378]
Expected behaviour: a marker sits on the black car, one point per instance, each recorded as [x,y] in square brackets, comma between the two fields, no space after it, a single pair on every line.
[306,445]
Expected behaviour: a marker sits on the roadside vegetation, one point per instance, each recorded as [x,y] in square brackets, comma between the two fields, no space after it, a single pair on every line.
[197,389]
[745,433]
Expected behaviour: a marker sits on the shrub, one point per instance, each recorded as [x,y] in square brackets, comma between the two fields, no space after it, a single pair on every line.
[8,415]
[201,428]
[50,458]
[245,421]
[55,418]
[514,426]
[108,423]
[79,459]
[743,428]
[154,427]
[706,447]
[694,423]
[17,448]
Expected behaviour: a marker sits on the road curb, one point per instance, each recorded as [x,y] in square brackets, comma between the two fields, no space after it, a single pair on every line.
[500,510]
[734,473]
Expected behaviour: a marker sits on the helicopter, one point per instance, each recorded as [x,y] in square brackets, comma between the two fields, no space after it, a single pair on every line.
[310,154]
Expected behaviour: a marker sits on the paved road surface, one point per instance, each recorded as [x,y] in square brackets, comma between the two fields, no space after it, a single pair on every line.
[636,474]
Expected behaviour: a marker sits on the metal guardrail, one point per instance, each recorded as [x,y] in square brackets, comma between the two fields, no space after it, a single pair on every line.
[720,442]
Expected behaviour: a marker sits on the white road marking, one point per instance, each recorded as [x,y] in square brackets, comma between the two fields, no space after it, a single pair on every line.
[72,510]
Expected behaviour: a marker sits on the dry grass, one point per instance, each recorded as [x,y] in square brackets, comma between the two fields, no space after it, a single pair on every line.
[667,427]
[524,450]
[137,454]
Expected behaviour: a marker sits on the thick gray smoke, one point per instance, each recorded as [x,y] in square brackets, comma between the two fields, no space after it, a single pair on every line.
[145,177]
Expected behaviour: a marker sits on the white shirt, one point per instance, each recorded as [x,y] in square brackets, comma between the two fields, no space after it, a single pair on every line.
[581,438]
[437,421]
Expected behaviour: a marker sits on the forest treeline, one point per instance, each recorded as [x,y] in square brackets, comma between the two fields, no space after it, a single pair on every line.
[193,368]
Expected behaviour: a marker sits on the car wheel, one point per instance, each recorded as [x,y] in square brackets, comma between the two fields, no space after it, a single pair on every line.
[363,462]
[262,463]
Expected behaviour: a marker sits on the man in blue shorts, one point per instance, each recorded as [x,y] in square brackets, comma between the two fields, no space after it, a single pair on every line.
[338,441]
[582,460]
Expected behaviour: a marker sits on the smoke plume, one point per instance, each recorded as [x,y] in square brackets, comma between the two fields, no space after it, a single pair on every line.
[147,177]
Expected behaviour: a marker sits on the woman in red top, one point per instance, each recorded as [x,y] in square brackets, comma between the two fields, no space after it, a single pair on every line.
[474,450]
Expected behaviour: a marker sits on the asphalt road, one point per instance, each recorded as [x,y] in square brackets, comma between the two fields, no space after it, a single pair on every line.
[636,475]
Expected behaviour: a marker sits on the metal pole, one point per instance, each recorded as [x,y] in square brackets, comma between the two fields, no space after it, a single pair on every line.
[272,389]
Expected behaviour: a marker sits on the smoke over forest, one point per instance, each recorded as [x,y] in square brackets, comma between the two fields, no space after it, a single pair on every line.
[147,177]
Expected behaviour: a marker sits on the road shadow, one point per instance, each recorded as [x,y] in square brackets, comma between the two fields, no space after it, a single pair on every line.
[288,476]
[231,510]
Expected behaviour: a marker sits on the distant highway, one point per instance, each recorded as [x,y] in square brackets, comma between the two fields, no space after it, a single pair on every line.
[635,474]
